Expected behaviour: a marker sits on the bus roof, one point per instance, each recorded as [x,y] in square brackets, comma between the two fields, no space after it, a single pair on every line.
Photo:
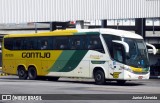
[121,33]
[116,32]
[52,33]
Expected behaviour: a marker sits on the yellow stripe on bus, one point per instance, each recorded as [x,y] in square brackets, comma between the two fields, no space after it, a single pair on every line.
[136,69]
[53,33]
[49,63]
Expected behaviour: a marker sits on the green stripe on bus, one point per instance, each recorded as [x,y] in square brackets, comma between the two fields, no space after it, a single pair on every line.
[74,61]
[62,60]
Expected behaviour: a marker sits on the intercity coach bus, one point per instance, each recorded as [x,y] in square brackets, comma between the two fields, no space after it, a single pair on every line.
[102,54]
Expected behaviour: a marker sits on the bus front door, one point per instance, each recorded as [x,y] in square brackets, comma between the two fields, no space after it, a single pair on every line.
[116,71]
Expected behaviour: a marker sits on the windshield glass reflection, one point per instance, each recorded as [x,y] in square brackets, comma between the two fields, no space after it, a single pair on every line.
[138,56]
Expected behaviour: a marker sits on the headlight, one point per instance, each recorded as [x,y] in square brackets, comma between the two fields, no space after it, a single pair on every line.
[126,68]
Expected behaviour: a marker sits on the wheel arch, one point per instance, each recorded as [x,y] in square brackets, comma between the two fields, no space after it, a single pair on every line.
[21,65]
[98,68]
[32,66]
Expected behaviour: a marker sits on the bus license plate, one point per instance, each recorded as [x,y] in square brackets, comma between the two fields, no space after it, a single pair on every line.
[140,77]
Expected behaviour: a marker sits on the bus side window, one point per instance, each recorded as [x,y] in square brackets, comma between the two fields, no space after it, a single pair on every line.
[62,43]
[76,43]
[95,44]
[24,47]
[32,44]
[8,43]
[18,44]
[44,44]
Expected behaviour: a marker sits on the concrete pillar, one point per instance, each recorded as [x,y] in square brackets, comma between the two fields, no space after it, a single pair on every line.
[104,24]
[80,24]
[140,26]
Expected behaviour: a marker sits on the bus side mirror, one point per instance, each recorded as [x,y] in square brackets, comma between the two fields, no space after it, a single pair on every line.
[126,46]
[153,50]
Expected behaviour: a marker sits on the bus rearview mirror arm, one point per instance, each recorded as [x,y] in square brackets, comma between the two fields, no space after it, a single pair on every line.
[154,51]
[126,46]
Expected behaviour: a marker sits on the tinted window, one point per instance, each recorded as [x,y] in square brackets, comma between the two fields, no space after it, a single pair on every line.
[8,43]
[45,43]
[61,43]
[18,44]
[25,43]
[108,39]
[31,44]
[94,43]
[118,51]
[77,42]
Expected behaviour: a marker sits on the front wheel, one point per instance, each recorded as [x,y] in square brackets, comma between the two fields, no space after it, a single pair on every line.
[99,77]
[32,73]
[22,73]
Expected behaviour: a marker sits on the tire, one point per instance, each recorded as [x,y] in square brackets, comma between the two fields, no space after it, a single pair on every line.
[121,82]
[99,77]
[53,78]
[32,73]
[22,73]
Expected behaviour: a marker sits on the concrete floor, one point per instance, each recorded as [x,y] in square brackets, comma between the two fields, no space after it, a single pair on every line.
[12,85]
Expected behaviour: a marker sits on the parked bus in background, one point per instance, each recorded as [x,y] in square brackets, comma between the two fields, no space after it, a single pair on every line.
[102,54]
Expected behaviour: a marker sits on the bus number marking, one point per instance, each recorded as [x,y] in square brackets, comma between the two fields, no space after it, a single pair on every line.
[9,55]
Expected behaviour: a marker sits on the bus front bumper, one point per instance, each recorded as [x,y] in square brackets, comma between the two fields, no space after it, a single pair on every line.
[135,76]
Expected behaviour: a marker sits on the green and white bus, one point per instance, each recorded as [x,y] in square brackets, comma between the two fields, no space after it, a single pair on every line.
[102,54]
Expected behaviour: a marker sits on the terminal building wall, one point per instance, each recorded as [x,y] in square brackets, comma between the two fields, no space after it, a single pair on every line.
[17,11]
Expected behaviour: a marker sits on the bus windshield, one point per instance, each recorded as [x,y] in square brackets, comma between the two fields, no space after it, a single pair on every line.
[138,56]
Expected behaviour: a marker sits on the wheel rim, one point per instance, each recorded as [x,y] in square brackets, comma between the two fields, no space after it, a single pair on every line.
[21,73]
[98,77]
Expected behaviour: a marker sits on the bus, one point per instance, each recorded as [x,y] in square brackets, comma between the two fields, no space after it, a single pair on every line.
[101,54]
